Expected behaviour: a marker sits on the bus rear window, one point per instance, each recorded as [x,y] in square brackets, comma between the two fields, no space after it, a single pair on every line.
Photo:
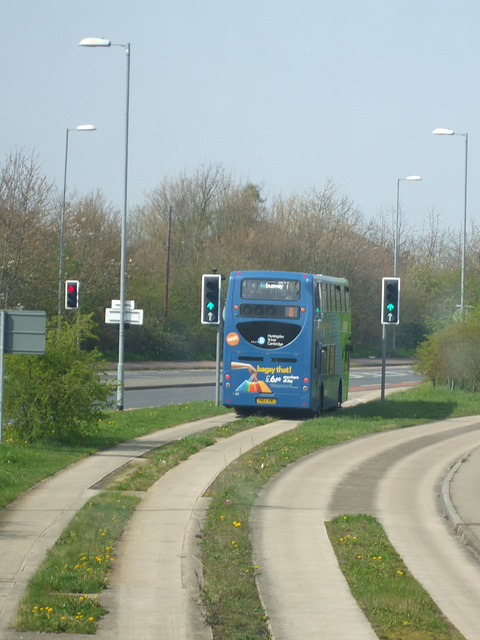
[259,289]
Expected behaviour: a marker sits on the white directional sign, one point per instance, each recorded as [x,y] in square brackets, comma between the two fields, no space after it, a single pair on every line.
[131,316]
[129,304]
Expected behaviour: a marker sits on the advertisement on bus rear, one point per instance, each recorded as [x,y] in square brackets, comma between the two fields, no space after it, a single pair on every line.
[265,378]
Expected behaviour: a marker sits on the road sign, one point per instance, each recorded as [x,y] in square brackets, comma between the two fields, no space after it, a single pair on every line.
[24,331]
[131,316]
[20,332]
[129,304]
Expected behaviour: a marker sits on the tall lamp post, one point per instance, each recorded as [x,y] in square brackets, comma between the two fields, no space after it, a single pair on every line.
[450,132]
[395,251]
[102,42]
[81,127]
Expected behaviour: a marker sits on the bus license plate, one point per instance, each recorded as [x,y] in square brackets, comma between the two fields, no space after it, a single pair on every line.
[266,400]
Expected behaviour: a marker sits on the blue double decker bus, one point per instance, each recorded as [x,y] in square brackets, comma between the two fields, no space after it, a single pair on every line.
[287,342]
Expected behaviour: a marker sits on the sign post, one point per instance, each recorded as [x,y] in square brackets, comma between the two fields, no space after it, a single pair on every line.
[130,315]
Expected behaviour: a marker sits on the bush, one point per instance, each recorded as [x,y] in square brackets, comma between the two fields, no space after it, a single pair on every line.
[59,395]
[451,355]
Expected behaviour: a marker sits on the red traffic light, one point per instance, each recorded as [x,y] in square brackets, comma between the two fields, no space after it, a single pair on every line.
[72,294]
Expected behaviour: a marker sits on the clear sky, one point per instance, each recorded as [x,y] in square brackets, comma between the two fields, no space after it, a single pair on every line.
[284,93]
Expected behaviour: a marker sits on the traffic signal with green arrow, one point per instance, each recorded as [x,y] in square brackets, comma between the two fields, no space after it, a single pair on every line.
[211,288]
[390,300]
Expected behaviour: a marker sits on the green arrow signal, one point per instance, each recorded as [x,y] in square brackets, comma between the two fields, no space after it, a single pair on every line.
[390,307]
[210,305]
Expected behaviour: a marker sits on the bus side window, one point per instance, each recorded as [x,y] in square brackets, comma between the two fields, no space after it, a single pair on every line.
[326,296]
[338,299]
[318,302]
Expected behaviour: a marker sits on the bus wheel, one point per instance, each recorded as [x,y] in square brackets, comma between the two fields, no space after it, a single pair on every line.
[243,413]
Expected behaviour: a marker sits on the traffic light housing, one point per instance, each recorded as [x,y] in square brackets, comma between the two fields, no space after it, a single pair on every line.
[72,294]
[211,290]
[390,300]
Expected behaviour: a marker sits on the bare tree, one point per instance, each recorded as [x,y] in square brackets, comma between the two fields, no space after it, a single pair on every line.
[92,248]
[26,219]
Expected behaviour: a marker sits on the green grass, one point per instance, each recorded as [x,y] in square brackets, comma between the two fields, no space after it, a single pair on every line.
[59,597]
[391,598]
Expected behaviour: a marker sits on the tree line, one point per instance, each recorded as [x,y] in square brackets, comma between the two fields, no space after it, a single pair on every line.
[206,219]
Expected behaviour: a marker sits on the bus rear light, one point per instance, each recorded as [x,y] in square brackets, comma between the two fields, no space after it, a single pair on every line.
[302,309]
[227,376]
[305,388]
[305,380]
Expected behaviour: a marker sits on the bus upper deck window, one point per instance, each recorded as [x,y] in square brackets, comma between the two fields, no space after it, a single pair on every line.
[271,289]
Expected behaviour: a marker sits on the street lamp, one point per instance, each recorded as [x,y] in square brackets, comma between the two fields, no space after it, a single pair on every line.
[395,251]
[81,127]
[102,42]
[450,132]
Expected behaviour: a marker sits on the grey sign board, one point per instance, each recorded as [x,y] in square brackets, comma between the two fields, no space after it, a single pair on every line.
[24,331]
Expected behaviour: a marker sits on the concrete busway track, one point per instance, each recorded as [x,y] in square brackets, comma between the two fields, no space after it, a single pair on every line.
[153,590]
[394,475]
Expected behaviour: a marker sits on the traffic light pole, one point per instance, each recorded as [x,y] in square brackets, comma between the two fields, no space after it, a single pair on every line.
[390,314]
[211,313]
[384,361]
[217,362]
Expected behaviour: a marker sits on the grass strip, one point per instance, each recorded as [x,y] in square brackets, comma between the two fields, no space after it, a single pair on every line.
[229,574]
[394,602]
[59,597]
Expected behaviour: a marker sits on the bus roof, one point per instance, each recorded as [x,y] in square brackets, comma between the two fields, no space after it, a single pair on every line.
[286,274]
